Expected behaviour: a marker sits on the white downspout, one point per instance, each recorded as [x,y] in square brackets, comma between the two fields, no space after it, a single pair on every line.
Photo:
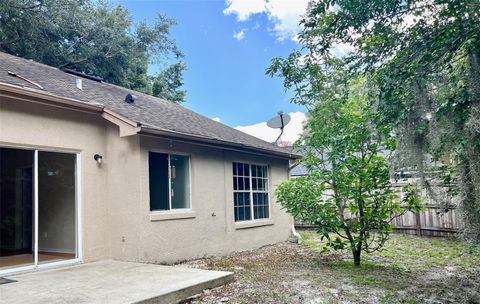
[295,236]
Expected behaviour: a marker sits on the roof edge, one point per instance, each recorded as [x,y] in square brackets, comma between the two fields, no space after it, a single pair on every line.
[58,100]
[127,126]
[217,143]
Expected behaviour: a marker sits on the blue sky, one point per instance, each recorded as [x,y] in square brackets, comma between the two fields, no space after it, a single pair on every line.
[227,46]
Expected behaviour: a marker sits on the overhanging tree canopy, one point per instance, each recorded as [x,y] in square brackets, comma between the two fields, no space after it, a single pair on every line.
[422,58]
[94,38]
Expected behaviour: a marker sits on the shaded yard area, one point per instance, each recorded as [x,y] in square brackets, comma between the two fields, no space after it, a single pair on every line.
[409,270]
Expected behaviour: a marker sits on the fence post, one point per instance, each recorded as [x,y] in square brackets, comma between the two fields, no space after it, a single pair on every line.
[418,224]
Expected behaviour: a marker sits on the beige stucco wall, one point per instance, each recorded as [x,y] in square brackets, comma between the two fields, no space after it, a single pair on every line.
[53,129]
[138,238]
[116,217]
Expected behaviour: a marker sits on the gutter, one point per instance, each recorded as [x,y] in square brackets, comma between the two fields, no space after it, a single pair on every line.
[215,143]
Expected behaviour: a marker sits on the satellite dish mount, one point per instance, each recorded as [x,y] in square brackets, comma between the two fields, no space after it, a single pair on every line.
[279,122]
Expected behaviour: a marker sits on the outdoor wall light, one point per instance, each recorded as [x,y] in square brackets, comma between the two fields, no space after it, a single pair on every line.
[98,158]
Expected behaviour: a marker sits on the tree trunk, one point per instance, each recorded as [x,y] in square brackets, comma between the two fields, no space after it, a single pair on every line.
[470,167]
[356,257]
[474,74]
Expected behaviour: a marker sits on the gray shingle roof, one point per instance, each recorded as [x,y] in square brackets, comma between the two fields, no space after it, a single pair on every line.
[149,111]
[298,170]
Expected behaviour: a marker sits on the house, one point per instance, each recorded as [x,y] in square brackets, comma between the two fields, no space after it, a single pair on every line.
[93,171]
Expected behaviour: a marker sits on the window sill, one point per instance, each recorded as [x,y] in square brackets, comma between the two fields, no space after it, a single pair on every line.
[171,215]
[253,224]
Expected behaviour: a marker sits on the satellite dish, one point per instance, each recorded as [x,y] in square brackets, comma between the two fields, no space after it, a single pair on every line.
[279,122]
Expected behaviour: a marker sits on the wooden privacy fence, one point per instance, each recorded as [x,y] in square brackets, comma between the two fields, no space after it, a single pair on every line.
[435,220]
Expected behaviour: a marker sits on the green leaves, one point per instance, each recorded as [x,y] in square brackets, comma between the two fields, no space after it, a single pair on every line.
[302,197]
[166,84]
[347,189]
[420,66]
[94,38]
[411,198]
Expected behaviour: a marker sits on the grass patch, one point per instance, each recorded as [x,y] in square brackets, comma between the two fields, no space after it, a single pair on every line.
[409,270]
[412,253]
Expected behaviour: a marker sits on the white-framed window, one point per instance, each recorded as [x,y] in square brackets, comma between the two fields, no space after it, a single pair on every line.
[250,191]
[169,179]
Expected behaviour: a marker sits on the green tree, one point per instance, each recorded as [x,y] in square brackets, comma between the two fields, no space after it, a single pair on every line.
[94,38]
[347,189]
[165,84]
[422,58]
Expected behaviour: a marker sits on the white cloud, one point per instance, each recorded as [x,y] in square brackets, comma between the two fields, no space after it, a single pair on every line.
[244,8]
[239,35]
[284,15]
[342,49]
[291,132]
[217,119]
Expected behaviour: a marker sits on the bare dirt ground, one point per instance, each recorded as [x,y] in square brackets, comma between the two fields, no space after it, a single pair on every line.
[409,270]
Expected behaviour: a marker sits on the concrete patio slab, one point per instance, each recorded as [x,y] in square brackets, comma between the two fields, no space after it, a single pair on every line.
[111,282]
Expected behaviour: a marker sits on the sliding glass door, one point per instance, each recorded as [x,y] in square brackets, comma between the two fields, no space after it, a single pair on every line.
[56,206]
[38,208]
[16,208]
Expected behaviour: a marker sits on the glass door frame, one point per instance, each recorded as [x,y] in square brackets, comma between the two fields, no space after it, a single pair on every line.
[78,228]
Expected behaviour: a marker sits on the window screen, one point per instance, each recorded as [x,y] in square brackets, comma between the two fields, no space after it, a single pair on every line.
[180,181]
